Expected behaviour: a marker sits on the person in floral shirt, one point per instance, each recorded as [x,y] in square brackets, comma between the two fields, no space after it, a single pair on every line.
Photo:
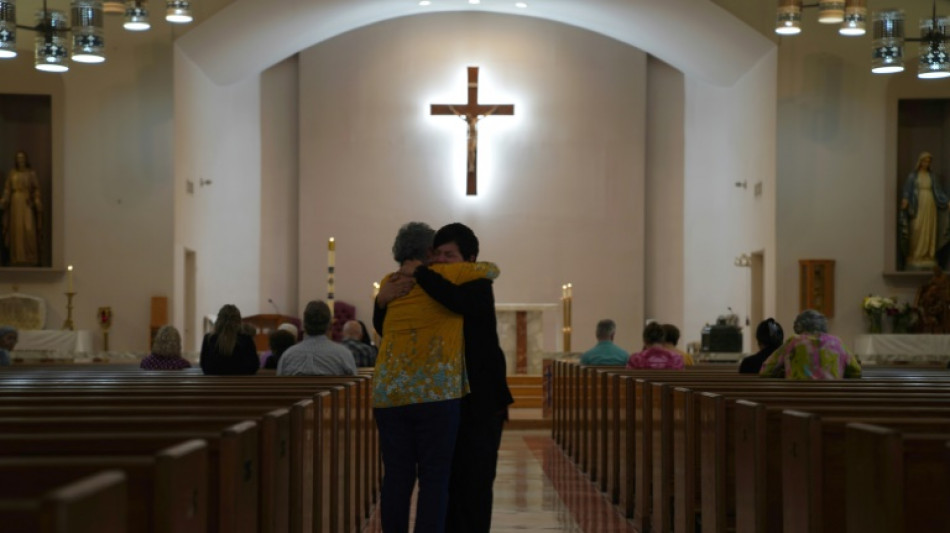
[812,353]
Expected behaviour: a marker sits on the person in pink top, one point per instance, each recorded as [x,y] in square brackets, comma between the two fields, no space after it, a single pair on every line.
[654,355]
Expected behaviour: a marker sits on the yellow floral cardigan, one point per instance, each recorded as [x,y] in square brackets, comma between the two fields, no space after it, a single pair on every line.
[421,355]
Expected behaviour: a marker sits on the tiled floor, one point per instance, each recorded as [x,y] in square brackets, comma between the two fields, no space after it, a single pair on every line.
[539,489]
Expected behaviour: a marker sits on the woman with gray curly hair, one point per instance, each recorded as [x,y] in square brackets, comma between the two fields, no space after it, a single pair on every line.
[812,353]
[418,383]
[166,351]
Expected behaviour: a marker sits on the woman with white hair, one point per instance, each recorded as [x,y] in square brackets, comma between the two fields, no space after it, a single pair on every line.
[812,353]
[166,351]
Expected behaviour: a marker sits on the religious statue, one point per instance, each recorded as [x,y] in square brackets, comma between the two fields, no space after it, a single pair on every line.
[933,304]
[923,220]
[22,208]
[472,120]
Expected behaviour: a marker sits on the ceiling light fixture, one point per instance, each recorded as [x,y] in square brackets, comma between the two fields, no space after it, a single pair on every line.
[85,37]
[887,47]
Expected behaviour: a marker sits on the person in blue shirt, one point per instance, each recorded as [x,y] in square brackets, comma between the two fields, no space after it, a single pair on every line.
[605,353]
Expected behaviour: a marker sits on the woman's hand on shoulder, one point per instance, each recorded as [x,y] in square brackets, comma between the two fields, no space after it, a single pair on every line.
[397,286]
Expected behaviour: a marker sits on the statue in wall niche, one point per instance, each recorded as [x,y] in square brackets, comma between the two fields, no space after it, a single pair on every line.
[22,211]
[923,219]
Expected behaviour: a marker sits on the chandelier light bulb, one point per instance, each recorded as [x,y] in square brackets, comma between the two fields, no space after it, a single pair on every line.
[788,20]
[136,16]
[178,11]
[831,11]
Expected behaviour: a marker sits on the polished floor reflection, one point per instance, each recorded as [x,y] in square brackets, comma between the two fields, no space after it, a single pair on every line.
[539,489]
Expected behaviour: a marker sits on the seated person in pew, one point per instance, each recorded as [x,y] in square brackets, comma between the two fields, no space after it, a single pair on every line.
[166,351]
[654,355]
[605,352]
[811,353]
[265,356]
[279,341]
[770,336]
[316,354]
[356,340]
[671,336]
[227,350]
[8,338]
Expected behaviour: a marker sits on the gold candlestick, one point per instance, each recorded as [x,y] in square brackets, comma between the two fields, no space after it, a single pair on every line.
[68,324]
[567,295]
[331,267]
[105,322]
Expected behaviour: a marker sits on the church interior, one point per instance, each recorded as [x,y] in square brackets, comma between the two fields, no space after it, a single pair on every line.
[674,161]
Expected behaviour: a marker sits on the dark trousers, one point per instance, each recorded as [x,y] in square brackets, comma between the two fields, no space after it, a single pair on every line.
[473,472]
[416,441]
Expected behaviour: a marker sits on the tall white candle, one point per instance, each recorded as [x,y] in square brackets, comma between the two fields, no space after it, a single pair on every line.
[331,264]
[69,278]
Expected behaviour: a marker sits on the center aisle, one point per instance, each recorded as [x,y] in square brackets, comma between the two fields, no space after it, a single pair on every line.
[539,489]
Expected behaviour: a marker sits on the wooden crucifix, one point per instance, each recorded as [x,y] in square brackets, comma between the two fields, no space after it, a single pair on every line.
[471,113]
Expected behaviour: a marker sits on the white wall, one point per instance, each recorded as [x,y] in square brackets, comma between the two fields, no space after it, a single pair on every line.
[217,139]
[561,195]
[112,160]
[728,140]
[665,164]
[280,173]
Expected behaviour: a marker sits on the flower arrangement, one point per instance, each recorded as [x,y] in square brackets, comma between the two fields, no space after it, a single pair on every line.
[875,307]
[904,316]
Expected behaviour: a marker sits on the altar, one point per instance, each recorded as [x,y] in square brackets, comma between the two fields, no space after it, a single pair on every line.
[903,348]
[521,330]
[57,341]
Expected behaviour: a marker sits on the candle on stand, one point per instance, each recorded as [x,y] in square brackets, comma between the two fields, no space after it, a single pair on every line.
[331,264]
[567,314]
[564,318]
[69,278]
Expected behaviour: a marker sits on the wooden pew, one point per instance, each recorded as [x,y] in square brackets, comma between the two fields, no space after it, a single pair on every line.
[897,482]
[166,490]
[608,457]
[354,437]
[285,435]
[814,452]
[718,437]
[758,482]
[92,504]
[644,436]
[337,500]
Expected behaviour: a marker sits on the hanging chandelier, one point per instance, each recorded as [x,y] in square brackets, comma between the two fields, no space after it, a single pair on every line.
[84,41]
[887,48]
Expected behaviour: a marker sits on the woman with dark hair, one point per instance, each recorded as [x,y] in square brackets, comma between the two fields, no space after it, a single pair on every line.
[418,384]
[227,350]
[812,353]
[278,341]
[166,351]
[365,338]
[770,336]
[654,355]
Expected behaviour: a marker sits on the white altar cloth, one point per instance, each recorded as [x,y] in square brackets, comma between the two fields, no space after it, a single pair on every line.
[907,348]
[51,340]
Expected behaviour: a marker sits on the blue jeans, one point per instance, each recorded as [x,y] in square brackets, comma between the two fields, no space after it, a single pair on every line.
[416,441]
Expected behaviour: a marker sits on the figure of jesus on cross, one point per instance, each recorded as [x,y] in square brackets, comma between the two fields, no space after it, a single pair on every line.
[471,113]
